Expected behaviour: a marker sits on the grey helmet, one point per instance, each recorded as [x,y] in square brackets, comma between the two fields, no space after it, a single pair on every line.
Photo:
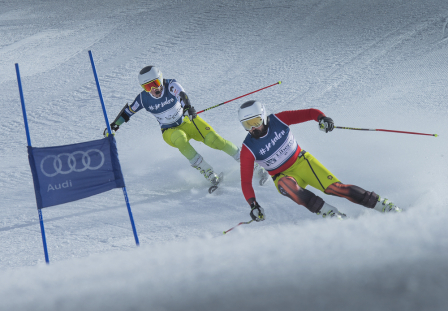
[150,77]
[252,114]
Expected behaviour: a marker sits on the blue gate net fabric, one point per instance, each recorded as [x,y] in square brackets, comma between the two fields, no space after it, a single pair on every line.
[63,174]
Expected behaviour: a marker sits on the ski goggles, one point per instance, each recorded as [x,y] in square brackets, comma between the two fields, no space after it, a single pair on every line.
[252,123]
[148,86]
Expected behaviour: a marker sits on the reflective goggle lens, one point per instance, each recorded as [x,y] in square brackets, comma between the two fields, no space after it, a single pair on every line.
[152,84]
[254,122]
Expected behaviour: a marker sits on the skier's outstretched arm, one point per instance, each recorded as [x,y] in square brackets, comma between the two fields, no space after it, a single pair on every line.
[326,124]
[124,115]
[299,116]
[247,160]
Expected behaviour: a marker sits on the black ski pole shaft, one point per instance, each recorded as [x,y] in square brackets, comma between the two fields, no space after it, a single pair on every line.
[381,130]
[279,82]
[241,223]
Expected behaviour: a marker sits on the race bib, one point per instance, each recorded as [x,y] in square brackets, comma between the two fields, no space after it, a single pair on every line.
[280,155]
[170,116]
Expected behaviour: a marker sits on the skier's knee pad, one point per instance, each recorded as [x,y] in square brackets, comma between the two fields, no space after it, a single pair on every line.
[370,199]
[315,204]
[288,187]
[214,141]
[179,139]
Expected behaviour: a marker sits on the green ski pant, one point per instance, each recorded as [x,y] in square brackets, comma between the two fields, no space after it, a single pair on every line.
[198,130]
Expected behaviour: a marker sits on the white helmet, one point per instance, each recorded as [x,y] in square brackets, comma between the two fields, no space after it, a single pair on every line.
[150,77]
[252,114]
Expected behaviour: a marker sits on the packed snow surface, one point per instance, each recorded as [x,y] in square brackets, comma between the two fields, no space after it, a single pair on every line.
[366,64]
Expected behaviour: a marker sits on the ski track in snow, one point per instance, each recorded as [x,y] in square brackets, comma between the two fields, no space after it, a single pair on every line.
[372,65]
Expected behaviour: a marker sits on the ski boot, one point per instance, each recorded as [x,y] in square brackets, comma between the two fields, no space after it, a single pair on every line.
[205,169]
[208,173]
[262,174]
[211,176]
[385,206]
[330,211]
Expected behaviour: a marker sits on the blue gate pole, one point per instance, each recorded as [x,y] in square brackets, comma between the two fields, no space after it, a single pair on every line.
[110,133]
[41,220]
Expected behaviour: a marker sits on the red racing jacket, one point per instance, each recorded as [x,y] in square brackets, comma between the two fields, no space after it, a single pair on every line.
[247,157]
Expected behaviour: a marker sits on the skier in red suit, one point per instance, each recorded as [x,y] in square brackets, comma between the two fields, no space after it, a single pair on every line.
[271,145]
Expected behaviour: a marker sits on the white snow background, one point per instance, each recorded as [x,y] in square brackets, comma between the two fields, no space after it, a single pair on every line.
[369,64]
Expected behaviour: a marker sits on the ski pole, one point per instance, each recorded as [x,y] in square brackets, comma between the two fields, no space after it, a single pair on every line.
[241,223]
[381,130]
[279,82]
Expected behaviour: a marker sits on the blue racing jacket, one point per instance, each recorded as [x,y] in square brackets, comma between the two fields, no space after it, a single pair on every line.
[167,109]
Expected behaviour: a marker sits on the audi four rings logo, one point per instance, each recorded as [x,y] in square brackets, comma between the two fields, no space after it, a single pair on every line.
[71,161]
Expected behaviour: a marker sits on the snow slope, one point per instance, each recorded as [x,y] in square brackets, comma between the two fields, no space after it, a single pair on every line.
[370,64]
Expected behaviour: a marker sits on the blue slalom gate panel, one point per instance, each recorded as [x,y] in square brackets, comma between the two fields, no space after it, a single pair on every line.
[68,173]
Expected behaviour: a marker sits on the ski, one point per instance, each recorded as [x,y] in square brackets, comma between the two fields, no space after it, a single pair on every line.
[214,187]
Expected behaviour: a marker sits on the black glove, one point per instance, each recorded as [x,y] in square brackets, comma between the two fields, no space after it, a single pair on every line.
[326,124]
[114,127]
[190,112]
[257,212]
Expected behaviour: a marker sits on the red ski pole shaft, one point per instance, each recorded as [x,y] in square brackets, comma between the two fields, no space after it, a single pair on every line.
[279,82]
[241,223]
[381,130]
